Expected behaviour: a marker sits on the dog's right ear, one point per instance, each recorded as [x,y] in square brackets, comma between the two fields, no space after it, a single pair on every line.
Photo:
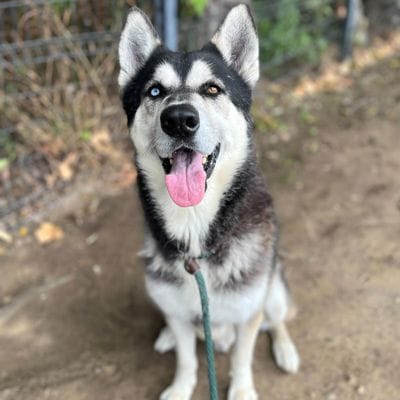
[138,41]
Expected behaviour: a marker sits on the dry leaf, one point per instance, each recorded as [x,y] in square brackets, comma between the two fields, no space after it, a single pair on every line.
[23,231]
[48,232]
[101,142]
[53,147]
[66,167]
[127,176]
[5,237]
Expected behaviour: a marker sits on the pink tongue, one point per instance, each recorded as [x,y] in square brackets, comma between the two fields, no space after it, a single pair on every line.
[186,183]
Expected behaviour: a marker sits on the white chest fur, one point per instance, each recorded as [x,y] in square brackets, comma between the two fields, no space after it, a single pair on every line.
[229,303]
[226,306]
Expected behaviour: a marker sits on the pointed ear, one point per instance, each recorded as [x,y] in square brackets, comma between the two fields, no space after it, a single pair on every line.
[237,41]
[138,41]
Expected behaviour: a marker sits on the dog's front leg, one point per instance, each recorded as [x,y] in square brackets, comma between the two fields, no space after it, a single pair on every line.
[186,361]
[242,385]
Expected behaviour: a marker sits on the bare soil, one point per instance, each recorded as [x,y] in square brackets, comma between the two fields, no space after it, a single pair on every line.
[75,322]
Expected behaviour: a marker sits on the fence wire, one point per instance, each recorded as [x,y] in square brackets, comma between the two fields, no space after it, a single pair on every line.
[29,40]
[44,38]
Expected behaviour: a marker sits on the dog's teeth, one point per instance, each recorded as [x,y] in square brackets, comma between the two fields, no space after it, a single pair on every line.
[171,161]
[204,159]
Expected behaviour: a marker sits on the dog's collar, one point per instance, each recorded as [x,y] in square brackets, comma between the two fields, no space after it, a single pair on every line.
[190,263]
[202,256]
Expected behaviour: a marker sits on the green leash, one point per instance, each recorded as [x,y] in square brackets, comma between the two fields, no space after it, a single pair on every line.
[193,268]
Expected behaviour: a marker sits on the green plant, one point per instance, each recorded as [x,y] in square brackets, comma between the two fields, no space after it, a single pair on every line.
[292,31]
[194,7]
[198,6]
[61,7]
[3,164]
[8,150]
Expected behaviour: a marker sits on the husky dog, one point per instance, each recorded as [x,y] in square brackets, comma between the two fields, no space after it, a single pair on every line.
[204,197]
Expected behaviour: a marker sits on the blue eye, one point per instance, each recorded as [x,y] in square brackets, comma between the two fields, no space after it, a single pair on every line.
[154,91]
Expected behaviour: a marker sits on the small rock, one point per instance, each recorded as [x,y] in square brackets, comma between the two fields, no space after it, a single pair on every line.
[331,396]
[97,371]
[361,390]
[6,237]
[97,270]
[92,239]
[109,369]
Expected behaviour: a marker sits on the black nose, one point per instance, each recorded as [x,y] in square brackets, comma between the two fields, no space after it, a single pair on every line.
[180,120]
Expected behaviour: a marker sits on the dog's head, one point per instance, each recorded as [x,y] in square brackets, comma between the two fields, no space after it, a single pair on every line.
[189,112]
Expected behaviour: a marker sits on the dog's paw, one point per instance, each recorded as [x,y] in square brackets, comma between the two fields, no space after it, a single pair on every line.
[286,356]
[166,341]
[175,392]
[242,393]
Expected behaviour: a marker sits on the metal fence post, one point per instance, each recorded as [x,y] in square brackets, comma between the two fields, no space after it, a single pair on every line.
[349,28]
[159,17]
[171,24]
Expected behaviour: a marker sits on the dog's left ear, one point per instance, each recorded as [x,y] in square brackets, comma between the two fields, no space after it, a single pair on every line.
[237,41]
[138,41]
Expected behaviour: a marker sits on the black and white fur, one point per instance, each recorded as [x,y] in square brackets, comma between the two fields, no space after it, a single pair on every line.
[234,223]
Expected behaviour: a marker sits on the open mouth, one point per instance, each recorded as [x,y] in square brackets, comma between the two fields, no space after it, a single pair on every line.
[186,176]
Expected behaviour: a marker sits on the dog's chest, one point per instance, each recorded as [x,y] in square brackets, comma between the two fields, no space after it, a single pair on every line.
[236,286]
[235,305]
[188,226]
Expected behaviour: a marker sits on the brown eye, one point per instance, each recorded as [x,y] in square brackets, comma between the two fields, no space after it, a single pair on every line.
[213,90]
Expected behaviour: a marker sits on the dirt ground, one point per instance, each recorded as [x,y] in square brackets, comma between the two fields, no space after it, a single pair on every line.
[75,322]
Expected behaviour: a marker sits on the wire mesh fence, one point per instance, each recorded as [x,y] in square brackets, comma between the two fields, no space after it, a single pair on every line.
[49,45]
[57,60]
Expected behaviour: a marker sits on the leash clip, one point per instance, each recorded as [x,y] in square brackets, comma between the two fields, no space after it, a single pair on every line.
[191,265]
